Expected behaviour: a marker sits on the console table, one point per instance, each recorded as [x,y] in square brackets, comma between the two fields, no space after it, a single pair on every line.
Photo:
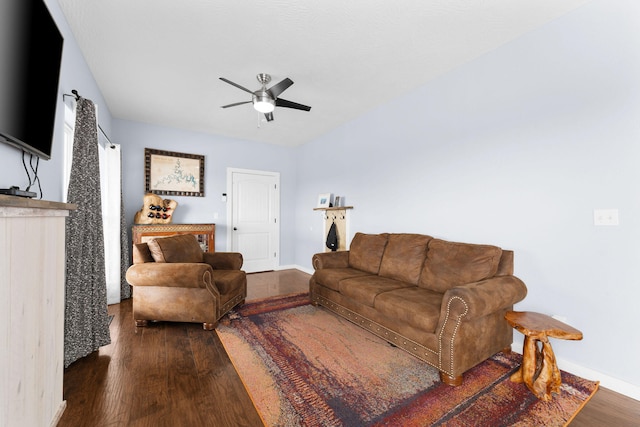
[32,274]
[205,233]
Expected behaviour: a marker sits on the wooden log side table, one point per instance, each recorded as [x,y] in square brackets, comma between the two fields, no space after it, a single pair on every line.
[539,370]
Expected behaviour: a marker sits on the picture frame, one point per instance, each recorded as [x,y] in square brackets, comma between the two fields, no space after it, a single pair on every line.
[324,200]
[337,201]
[173,174]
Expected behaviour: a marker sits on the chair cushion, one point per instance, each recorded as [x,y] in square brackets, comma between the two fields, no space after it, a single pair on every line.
[404,256]
[450,264]
[229,281]
[365,251]
[180,248]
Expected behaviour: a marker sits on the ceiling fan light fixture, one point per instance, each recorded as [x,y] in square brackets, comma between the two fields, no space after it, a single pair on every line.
[266,100]
[264,103]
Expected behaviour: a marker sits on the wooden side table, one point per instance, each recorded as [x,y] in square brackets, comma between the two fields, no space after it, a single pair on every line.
[539,370]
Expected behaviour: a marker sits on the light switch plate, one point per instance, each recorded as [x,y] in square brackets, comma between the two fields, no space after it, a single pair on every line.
[606,217]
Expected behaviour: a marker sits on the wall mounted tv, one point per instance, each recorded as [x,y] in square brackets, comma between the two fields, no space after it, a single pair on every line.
[30,58]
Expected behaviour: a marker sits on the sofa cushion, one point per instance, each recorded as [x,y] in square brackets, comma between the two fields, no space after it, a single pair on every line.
[180,248]
[331,277]
[450,264]
[365,251]
[415,306]
[365,289]
[404,256]
[141,253]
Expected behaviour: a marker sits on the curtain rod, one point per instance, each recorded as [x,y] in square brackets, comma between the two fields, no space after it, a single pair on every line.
[77,97]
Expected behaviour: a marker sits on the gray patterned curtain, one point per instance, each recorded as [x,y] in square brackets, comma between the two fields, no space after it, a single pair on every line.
[125,287]
[86,325]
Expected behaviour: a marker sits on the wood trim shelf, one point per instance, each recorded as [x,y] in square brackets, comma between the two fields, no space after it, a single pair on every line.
[333,208]
[205,233]
[28,203]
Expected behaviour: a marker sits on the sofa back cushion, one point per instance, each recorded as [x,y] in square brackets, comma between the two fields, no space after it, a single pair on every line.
[404,256]
[180,248]
[450,264]
[365,251]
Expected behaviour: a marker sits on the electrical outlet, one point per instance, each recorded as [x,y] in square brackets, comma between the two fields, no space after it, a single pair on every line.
[606,217]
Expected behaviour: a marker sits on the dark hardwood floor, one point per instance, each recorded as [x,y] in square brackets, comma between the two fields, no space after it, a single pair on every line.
[177,374]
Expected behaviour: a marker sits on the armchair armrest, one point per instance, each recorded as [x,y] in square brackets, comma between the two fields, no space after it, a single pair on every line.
[224,260]
[181,275]
[474,300]
[338,259]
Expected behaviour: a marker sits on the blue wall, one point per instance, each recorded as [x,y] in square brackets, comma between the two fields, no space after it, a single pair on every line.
[74,74]
[220,153]
[517,149]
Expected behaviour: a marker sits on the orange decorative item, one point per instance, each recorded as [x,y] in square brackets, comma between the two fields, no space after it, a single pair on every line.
[539,370]
[155,210]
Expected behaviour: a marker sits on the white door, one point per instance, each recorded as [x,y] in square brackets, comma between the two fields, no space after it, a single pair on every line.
[254,228]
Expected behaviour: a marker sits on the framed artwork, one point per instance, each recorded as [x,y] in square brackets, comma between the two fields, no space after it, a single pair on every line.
[173,174]
[337,201]
[324,200]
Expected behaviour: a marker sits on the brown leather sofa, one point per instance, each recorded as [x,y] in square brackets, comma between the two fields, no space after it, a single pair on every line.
[444,302]
[174,280]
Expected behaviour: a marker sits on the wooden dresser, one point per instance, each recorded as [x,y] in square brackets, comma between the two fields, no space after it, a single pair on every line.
[32,287]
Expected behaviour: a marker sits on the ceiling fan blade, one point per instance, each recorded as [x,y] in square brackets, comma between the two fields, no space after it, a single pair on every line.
[289,104]
[237,103]
[236,85]
[269,116]
[277,89]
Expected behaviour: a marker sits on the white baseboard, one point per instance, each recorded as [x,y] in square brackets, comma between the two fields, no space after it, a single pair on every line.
[295,267]
[58,415]
[619,386]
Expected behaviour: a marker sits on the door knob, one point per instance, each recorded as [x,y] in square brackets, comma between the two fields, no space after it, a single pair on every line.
[235,228]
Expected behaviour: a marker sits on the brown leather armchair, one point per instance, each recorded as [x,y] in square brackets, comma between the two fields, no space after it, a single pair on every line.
[174,280]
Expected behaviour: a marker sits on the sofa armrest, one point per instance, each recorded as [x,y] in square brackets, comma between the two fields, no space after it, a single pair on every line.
[337,259]
[474,300]
[224,260]
[180,275]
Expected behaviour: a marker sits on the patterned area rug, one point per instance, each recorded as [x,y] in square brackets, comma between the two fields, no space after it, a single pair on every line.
[304,366]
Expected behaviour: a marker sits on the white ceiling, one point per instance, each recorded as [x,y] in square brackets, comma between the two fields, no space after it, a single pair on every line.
[159,61]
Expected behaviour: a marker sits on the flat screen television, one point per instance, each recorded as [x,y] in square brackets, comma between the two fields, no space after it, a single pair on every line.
[30,58]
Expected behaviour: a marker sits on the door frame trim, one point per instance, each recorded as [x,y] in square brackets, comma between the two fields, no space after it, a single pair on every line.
[276,175]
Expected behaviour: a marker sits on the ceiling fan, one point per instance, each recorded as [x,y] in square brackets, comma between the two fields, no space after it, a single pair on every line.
[265,100]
